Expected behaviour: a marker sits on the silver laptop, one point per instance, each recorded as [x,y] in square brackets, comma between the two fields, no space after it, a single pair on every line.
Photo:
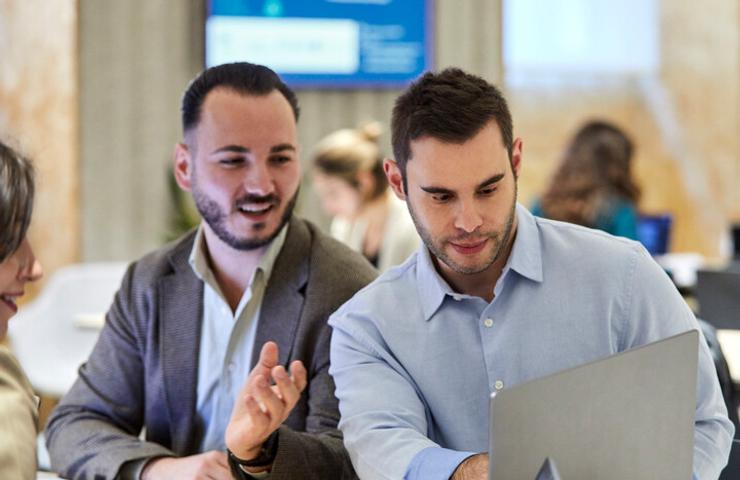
[628,416]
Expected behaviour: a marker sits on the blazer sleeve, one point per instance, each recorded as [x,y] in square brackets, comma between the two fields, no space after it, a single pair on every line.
[102,414]
[17,421]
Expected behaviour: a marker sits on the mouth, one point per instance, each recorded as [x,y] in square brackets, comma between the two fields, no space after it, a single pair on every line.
[256,211]
[469,247]
[9,301]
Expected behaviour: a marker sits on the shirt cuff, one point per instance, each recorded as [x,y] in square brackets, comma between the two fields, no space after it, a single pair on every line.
[435,463]
[257,476]
[132,469]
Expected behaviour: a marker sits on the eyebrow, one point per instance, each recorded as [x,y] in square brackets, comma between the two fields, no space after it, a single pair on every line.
[485,183]
[239,149]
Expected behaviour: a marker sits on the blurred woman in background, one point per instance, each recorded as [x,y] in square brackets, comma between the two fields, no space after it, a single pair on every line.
[593,184]
[18,412]
[367,216]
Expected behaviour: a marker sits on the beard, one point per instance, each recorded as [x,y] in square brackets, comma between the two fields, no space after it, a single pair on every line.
[436,246]
[216,218]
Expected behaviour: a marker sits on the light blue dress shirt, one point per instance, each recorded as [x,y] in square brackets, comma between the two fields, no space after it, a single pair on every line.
[415,362]
[226,342]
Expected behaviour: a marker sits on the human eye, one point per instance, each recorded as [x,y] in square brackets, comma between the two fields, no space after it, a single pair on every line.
[441,197]
[488,191]
[280,159]
[231,161]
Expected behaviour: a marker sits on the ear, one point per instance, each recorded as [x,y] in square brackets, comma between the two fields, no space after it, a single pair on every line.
[516,156]
[183,166]
[395,180]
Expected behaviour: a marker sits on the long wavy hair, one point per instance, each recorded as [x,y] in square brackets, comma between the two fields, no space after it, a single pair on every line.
[17,187]
[594,171]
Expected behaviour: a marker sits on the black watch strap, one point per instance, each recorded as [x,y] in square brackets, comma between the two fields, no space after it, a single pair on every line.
[265,458]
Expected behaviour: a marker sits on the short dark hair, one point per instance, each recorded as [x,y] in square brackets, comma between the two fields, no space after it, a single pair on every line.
[242,77]
[17,186]
[452,106]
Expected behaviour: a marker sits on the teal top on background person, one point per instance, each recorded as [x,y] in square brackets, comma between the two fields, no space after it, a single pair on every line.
[620,218]
[414,362]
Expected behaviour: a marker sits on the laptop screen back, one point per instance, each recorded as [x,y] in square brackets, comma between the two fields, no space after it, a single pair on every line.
[630,415]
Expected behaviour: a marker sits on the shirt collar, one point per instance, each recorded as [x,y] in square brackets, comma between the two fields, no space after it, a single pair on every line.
[525,259]
[526,253]
[199,262]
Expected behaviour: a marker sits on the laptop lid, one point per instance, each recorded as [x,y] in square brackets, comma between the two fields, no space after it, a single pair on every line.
[630,415]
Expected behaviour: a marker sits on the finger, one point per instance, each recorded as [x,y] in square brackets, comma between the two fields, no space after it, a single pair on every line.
[287,390]
[267,360]
[222,460]
[268,356]
[273,406]
[217,467]
[299,375]
[256,414]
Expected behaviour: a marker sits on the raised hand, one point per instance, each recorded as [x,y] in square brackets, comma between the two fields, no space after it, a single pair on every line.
[264,402]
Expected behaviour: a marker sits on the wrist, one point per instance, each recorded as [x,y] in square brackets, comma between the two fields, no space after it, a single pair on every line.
[256,460]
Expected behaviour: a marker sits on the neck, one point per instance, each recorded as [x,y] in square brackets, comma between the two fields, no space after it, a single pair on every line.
[233,269]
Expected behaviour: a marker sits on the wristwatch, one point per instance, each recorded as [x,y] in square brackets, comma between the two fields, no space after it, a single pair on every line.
[265,458]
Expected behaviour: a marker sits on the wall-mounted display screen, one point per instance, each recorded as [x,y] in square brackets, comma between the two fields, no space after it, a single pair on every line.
[324,43]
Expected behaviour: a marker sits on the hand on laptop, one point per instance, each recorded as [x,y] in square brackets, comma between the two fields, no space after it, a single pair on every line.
[472,468]
[261,407]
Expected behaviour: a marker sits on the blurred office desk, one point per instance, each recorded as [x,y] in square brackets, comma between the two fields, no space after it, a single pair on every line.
[46,476]
[729,340]
[55,333]
[682,267]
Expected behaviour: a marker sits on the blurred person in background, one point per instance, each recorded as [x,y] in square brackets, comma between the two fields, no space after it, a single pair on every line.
[593,185]
[367,216]
[18,411]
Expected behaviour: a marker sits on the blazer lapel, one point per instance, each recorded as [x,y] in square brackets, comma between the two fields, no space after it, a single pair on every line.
[284,295]
[181,306]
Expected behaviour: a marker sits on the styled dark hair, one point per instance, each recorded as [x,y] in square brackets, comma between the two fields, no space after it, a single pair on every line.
[452,106]
[242,77]
[17,186]
[595,169]
[347,152]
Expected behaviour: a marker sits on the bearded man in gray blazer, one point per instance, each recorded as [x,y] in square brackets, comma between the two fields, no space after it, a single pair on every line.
[216,346]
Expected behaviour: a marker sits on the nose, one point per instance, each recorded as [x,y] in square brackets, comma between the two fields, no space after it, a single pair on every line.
[468,219]
[258,180]
[30,268]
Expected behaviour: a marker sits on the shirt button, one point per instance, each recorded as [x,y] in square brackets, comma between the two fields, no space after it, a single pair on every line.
[488,322]
[498,385]
[231,367]
[224,311]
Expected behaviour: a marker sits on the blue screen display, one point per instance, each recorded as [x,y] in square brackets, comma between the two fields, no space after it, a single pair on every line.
[324,43]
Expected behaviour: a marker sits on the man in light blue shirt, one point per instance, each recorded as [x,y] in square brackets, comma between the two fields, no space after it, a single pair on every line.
[496,297]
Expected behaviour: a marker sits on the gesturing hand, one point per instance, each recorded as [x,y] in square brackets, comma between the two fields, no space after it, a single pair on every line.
[261,407]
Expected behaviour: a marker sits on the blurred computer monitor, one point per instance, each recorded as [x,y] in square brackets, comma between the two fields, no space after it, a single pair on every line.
[736,241]
[654,232]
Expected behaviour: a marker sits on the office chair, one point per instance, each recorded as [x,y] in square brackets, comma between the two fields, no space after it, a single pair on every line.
[55,333]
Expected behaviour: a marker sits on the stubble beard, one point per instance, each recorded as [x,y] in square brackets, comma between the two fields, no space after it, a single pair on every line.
[437,247]
[216,218]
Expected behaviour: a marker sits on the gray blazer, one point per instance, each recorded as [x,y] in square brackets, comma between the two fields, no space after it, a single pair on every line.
[18,417]
[143,369]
